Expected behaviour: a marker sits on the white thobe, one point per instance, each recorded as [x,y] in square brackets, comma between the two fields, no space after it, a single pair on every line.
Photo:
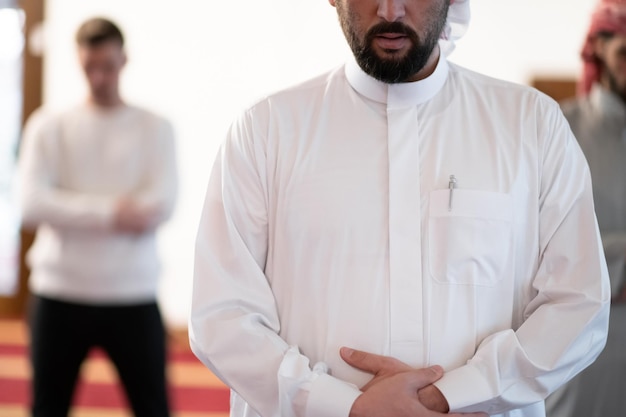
[329,222]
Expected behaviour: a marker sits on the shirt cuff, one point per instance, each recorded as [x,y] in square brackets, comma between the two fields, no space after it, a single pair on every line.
[455,386]
[331,397]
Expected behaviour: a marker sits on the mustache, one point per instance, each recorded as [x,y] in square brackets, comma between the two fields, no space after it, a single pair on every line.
[390,27]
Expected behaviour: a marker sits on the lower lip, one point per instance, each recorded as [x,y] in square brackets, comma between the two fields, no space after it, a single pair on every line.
[391,43]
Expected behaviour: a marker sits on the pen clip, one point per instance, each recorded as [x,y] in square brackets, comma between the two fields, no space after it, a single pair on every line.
[451,186]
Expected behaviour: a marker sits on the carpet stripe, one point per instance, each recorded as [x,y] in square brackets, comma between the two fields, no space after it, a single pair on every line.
[194,390]
[16,391]
[102,371]
[13,333]
[13,350]
[172,354]
[17,411]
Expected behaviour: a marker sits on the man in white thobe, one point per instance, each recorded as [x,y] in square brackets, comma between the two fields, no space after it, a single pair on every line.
[399,237]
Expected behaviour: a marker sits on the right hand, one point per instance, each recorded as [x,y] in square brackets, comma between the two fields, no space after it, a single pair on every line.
[130,217]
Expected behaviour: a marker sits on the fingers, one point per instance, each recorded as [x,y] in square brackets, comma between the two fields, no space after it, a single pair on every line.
[468,415]
[432,398]
[377,364]
[364,361]
[370,362]
[425,376]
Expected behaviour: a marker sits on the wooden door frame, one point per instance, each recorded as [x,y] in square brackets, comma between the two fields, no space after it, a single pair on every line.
[32,83]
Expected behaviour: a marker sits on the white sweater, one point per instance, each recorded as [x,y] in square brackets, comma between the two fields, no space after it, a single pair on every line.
[74,166]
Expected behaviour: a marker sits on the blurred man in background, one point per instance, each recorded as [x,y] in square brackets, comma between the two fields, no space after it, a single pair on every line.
[97,181]
[598,119]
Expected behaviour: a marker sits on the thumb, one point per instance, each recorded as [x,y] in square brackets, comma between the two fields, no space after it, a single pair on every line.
[425,376]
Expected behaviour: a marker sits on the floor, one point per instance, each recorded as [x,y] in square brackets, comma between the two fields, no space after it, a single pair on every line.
[194,390]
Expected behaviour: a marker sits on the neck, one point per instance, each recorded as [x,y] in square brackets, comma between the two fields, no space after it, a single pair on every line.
[106,102]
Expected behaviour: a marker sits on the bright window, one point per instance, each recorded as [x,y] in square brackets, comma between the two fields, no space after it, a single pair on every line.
[11,52]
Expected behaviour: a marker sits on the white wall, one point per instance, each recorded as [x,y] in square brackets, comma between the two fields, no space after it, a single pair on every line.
[200,62]
[516,40]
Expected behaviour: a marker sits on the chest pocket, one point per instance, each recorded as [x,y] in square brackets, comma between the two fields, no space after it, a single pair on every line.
[471,244]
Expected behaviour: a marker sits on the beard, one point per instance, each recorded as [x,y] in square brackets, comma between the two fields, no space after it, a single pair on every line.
[615,86]
[393,69]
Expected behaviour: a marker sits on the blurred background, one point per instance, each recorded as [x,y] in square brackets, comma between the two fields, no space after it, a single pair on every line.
[199,63]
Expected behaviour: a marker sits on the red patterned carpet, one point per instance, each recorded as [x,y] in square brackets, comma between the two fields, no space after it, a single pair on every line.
[194,390]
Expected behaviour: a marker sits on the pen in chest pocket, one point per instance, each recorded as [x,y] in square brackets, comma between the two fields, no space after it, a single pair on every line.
[451,186]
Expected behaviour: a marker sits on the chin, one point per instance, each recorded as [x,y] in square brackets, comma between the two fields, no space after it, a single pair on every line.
[392,55]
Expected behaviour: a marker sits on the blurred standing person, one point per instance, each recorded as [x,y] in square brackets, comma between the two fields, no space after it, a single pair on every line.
[598,120]
[399,236]
[97,181]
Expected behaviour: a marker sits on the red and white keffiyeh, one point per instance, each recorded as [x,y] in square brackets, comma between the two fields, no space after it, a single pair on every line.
[608,16]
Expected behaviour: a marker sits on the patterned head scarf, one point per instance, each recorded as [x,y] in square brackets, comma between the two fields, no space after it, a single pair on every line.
[456,25]
[608,16]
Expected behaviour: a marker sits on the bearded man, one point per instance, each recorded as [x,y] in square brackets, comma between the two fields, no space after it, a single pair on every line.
[399,237]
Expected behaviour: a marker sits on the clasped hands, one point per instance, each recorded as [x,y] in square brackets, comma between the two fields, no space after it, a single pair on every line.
[397,390]
[132,217]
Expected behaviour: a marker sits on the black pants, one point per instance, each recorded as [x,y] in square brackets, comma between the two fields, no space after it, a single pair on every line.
[62,334]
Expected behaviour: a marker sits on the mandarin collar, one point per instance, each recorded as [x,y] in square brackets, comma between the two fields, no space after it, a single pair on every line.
[607,102]
[400,94]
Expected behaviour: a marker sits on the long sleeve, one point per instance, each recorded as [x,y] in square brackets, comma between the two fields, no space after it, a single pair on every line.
[41,197]
[161,188]
[234,323]
[565,323]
